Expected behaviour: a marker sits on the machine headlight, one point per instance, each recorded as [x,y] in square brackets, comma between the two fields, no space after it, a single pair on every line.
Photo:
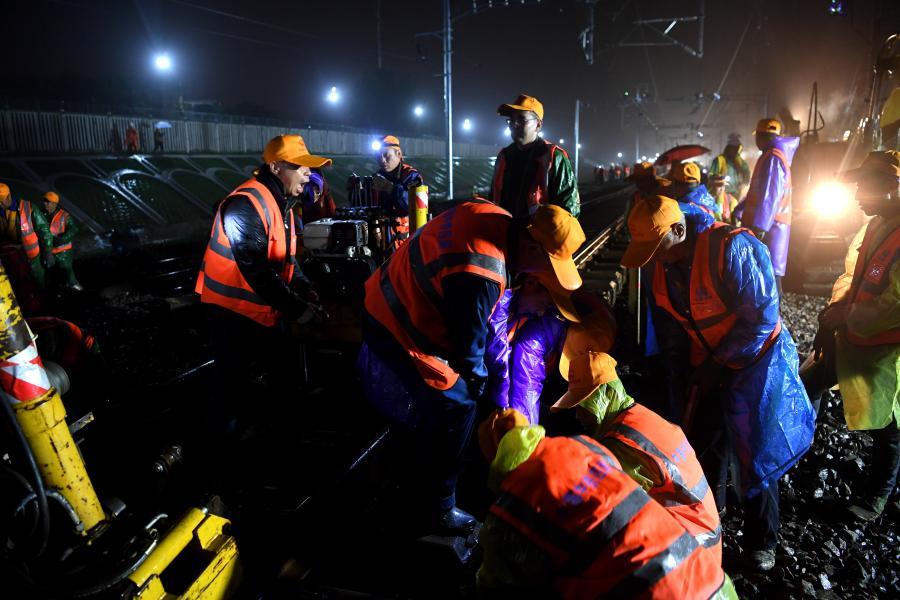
[832,199]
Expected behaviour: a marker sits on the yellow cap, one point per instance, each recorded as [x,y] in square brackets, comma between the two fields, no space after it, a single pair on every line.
[595,332]
[768,126]
[883,161]
[52,197]
[688,172]
[390,140]
[492,429]
[587,372]
[560,235]
[523,102]
[292,149]
[649,222]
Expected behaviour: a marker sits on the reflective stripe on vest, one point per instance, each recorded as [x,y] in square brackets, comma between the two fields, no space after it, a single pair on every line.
[784,210]
[684,490]
[406,294]
[220,280]
[58,225]
[604,536]
[30,243]
[710,317]
[871,276]
[537,192]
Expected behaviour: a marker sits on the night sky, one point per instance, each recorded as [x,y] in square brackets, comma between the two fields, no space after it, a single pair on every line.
[280,58]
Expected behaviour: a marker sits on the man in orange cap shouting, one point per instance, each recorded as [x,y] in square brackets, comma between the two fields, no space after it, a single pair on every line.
[249,279]
[391,184]
[425,324]
[530,171]
[716,285]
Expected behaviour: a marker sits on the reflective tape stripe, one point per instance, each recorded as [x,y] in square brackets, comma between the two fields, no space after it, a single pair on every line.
[215,245]
[708,539]
[228,291]
[655,569]
[402,315]
[475,259]
[680,486]
[262,202]
[538,523]
[420,272]
[594,447]
[61,249]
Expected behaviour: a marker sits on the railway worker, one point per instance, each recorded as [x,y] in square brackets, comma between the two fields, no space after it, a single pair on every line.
[652,451]
[732,167]
[717,286]
[425,325]
[249,279]
[132,141]
[767,208]
[21,224]
[531,171]
[63,229]
[390,185]
[569,523]
[689,192]
[726,202]
[858,342]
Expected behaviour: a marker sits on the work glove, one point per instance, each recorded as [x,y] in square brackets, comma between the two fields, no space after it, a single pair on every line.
[707,377]
[49,260]
[831,318]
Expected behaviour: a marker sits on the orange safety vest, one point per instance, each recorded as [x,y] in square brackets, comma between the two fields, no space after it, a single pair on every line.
[220,281]
[871,276]
[538,191]
[27,234]
[405,295]
[58,225]
[604,536]
[711,318]
[783,214]
[684,491]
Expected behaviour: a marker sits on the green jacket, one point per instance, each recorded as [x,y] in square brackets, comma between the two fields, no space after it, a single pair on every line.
[539,173]
[738,173]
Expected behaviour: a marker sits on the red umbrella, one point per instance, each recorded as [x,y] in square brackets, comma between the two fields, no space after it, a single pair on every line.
[680,153]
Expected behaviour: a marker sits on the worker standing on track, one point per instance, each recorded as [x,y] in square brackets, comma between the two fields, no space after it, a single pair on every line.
[64,230]
[652,451]
[767,208]
[390,185]
[568,523]
[858,342]
[21,224]
[732,167]
[717,285]
[425,325]
[250,279]
[530,171]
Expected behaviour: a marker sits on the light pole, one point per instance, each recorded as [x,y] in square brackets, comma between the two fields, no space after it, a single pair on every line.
[448,94]
[333,96]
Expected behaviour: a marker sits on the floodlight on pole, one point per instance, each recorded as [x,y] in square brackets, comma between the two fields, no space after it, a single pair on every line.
[163,62]
[619,155]
[333,96]
[562,141]
[467,125]
[418,110]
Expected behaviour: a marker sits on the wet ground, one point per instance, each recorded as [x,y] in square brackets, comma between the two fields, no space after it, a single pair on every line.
[822,552]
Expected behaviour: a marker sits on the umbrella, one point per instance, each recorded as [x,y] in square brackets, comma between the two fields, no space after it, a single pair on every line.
[162,125]
[680,153]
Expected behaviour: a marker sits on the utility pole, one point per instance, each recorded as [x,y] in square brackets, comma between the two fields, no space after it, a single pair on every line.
[378,31]
[577,136]
[448,94]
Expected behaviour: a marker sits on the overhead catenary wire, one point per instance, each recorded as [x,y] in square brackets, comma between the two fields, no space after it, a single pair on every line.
[718,91]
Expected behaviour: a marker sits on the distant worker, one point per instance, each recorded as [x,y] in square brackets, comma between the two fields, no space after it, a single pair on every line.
[530,171]
[715,284]
[21,224]
[424,330]
[391,186]
[732,166]
[132,143]
[64,231]
[767,208]
[858,342]
[687,190]
[726,202]
[157,140]
[652,451]
[249,279]
[568,523]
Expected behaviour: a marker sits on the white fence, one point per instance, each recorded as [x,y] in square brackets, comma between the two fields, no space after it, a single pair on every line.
[30,132]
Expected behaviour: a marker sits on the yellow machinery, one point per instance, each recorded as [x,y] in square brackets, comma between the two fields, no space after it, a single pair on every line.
[38,418]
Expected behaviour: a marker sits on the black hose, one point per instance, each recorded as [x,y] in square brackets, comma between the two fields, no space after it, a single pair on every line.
[10,472]
[38,482]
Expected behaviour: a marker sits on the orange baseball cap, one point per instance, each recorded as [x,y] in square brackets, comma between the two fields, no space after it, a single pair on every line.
[883,161]
[492,429]
[596,331]
[292,149]
[587,373]
[4,190]
[390,140]
[649,222]
[523,102]
[52,197]
[688,172]
[768,126]
[560,235]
